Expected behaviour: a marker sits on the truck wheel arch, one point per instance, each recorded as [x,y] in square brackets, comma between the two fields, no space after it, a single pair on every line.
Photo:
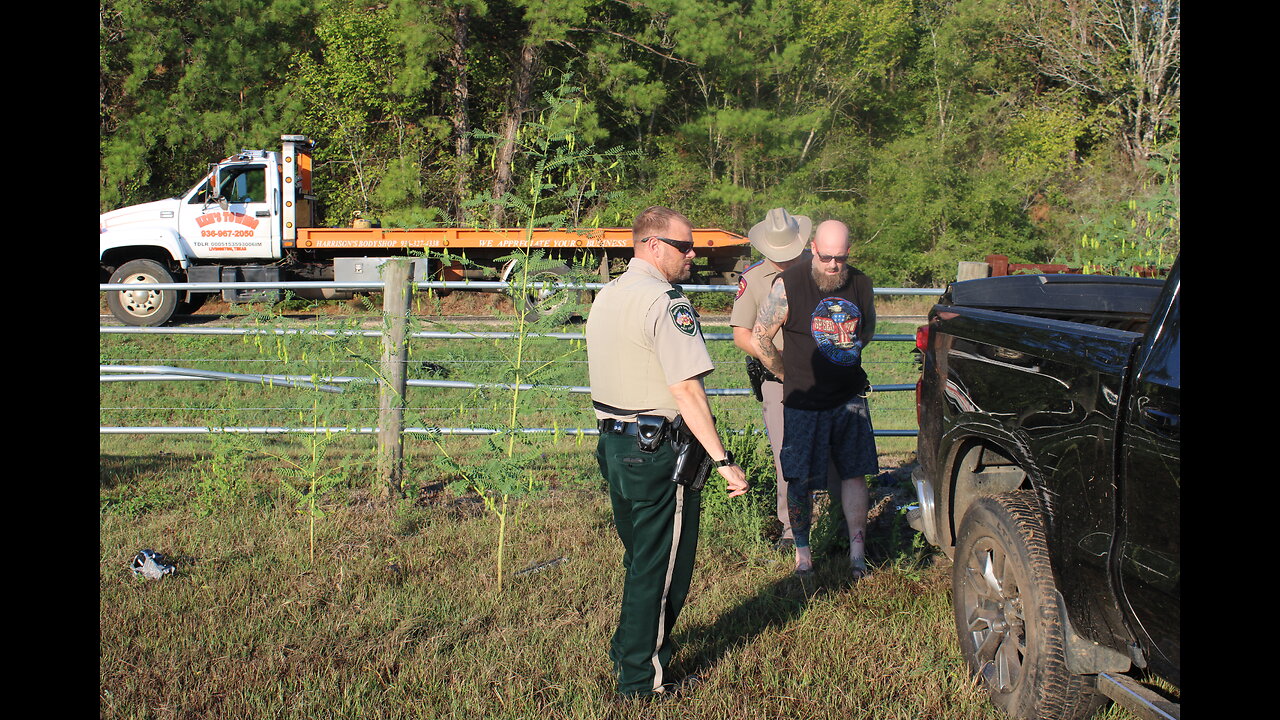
[981,468]
[163,245]
[977,467]
[113,258]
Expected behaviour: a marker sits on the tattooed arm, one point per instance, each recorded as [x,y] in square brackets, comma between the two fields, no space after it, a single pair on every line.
[769,319]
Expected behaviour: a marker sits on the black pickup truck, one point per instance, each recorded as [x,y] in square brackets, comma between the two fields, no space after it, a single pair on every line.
[1049,449]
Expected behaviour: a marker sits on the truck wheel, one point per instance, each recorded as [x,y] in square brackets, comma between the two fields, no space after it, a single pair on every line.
[143,307]
[1008,622]
[537,301]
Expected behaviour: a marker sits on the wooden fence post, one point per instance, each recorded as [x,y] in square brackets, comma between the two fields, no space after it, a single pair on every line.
[391,392]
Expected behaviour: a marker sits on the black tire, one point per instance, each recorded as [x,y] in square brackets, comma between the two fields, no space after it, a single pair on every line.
[537,301]
[1009,625]
[147,308]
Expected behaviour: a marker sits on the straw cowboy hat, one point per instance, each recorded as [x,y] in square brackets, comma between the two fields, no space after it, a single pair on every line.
[781,236]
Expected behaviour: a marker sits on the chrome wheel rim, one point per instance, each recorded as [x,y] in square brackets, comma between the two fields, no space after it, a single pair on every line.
[996,621]
[141,302]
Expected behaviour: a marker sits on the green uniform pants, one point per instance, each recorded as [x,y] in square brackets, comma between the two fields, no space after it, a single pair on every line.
[657,522]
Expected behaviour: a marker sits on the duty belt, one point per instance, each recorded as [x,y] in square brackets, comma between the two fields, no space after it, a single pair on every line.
[609,425]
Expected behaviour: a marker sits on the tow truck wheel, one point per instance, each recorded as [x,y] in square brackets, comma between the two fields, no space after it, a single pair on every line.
[537,301]
[1008,621]
[148,308]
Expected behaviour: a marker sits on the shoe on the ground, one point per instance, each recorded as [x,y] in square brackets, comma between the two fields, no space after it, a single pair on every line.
[669,691]
[684,686]
[150,563]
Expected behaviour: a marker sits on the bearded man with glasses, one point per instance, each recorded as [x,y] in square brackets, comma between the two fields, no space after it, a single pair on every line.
[826,312]
[782,239]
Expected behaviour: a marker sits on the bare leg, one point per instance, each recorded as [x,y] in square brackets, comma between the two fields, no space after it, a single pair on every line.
[804,560]
[853,495]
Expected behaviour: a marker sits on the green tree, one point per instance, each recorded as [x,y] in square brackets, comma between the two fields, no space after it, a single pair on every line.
[182,83]
[1144,234]
[939,129]
[540,24]
[1125,54]
[367,85]
[923,188]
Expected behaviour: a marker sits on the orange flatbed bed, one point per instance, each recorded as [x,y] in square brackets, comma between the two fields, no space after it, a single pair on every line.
[466,238]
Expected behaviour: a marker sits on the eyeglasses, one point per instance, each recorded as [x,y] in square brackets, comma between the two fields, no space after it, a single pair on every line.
[683,246]
[828,258]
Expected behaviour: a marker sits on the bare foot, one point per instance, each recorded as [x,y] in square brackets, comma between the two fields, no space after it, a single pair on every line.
[804,561]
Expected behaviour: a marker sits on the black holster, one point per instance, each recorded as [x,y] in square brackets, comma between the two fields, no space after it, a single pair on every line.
[693,465]
[757,373]
[651,430]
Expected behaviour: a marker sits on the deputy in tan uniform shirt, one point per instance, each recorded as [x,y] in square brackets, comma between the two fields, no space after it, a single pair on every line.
[638,362]
[646,356]
[781,237]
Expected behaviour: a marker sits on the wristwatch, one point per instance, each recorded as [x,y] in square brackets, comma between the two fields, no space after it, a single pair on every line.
[728,460]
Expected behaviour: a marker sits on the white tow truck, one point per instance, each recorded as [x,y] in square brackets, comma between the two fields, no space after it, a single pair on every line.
[252,218]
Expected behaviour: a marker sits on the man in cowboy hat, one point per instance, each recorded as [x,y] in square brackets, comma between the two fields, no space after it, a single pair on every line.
[781,238]
[825,309]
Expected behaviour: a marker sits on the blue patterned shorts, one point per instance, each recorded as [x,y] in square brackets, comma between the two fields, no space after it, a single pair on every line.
[842,433]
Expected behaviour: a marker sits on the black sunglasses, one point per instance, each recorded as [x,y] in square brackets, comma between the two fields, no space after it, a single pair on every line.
[684,246]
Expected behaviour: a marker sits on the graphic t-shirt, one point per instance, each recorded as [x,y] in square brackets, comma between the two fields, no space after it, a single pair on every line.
[825,334]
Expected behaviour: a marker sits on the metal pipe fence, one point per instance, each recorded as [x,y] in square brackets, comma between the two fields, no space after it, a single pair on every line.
[164,373]
[486,285]
[143,373]
[283,430]
[421,335]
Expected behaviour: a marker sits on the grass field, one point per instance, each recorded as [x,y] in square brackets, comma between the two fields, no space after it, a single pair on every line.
[346,606]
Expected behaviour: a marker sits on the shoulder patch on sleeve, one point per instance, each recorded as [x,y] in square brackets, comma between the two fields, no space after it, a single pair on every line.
[683,317]
[742,285]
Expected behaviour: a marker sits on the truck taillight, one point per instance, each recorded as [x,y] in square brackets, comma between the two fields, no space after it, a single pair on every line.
[922,338]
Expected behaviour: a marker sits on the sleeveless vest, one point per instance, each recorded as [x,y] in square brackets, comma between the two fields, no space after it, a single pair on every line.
[823,354]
